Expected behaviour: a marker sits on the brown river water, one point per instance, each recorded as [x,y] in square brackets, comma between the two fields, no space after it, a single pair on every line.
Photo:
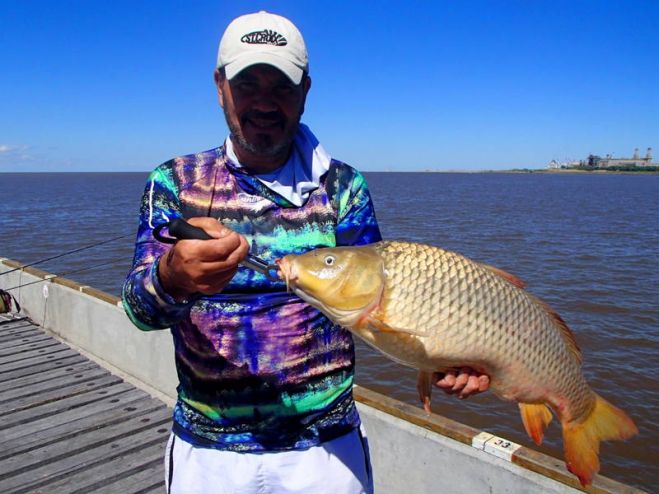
[587,244]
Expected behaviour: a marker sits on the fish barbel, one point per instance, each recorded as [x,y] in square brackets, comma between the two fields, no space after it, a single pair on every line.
[434,310]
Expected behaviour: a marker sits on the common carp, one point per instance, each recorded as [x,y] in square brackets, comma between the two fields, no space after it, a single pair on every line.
[434,310]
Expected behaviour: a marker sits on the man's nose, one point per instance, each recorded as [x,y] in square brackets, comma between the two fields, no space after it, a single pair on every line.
[264,101]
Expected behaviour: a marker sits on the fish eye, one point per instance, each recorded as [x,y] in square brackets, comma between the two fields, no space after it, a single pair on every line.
[329,260]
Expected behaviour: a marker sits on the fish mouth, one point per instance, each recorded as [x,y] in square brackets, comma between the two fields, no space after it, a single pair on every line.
[289,273]
[287,269]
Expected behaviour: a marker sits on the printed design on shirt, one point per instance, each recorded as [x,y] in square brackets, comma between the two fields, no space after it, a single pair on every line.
[265,37]
[259,369]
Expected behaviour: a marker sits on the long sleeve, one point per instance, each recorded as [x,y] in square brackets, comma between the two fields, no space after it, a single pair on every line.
[356,222]
[146,303]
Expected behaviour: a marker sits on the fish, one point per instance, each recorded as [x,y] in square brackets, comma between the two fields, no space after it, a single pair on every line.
[434,310]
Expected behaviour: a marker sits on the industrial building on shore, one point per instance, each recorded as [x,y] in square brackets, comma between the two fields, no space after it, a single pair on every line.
[594,161]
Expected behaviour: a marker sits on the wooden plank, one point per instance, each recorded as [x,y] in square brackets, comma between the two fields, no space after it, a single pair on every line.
[69,426]
[148,479]
[89,479]
[12,319]
[158,489]
[42,368]
[87,439]
[38,336]
[53,373]
[19,332]
[37,394]
[555,469]
[78,469]
[7,333]
[7,324]
[38,383]
[416,415]
[6,320]
[99,294]
[39,359]
[67,409]
[27,346]
[140,407]
[43,352]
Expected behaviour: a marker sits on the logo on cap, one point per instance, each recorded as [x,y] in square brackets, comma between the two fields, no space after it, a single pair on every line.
[265,37]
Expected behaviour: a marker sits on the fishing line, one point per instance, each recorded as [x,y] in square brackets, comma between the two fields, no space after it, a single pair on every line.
[67,253]
[79,270]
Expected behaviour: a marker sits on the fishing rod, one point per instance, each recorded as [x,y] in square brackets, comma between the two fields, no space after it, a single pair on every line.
[67,253]
[6,298]
[53,276]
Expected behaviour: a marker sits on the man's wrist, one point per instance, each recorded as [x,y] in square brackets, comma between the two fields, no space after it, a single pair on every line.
[164,282]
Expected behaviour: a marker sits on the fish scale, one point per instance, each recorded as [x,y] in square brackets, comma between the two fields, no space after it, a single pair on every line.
[434,310]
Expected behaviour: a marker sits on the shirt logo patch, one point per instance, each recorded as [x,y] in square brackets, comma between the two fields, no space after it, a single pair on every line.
[249,199]
[265,37]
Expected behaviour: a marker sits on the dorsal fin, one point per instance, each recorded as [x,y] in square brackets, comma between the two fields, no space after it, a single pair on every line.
[566,332]
[510,278]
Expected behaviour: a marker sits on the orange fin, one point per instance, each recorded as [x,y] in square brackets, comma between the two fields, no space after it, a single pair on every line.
[424,388]
[536,418]
[510,278]
[385,328]
[581,440]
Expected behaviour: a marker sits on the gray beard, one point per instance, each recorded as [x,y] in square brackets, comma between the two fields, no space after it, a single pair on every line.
[265,148]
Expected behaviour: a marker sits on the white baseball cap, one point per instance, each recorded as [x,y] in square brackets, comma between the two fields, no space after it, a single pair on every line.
[263,38]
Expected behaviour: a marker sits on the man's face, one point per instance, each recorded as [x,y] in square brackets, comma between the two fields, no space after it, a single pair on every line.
[262,108]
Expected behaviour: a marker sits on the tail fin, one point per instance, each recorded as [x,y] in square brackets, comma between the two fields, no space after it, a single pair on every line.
[581,440]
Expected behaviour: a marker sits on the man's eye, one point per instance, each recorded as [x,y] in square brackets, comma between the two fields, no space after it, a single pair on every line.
[245,86]
[285,89]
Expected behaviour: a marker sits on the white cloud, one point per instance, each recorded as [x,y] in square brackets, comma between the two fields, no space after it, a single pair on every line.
[13,148]
[11,154]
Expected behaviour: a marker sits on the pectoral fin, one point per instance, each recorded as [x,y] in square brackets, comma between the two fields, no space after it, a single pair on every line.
[423,386]
[383,327]
[536,418]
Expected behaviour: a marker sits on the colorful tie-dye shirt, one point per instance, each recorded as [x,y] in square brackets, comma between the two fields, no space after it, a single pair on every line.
[259,369]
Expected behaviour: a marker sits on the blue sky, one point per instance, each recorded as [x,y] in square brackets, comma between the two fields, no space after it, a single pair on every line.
[445,85]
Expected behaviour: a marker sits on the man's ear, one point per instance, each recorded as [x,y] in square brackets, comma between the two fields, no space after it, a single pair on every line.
[305,89]
[219,81]
[307,85]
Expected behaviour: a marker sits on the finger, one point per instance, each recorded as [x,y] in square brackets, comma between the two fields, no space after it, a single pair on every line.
[472,387]
[461,380]
[243,249]
[230,249]
[220,271]
[445,380]
[211,226]
[483,383]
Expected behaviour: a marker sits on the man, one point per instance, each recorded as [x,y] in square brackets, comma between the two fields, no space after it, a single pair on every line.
[265,396]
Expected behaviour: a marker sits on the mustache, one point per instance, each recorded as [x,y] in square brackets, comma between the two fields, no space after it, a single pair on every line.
[273,116]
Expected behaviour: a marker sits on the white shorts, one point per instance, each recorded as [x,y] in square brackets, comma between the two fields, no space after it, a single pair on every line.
[339,466]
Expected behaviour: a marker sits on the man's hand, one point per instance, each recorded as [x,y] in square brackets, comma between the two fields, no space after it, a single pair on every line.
[464,382]
[202,266]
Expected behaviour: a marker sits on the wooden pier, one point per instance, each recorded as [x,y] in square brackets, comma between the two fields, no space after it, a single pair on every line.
[69,426]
